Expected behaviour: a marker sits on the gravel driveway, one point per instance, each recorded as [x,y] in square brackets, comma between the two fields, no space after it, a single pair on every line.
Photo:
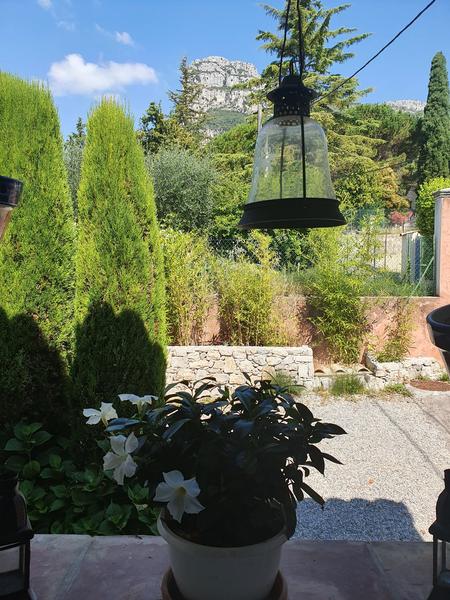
[394,456]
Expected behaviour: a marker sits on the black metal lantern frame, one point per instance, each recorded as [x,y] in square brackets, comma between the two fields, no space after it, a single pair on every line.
[15,537]
[10,190]
[291,177]
[440,530]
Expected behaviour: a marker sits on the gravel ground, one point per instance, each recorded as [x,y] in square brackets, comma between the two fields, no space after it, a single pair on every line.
[394,456]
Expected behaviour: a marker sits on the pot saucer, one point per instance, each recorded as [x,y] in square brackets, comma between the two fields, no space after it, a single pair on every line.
[170,590]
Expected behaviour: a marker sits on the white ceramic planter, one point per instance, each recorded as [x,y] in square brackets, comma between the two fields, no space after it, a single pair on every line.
[207,573]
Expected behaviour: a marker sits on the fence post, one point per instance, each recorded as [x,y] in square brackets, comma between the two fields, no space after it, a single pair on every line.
[442,242]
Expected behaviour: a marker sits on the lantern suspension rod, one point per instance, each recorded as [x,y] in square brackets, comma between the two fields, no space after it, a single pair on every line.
[301,42]
[283,47]
[367,63]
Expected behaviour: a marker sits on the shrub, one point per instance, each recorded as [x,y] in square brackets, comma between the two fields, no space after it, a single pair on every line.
[184,186]
[398,334]
[64,498]
[36,258]
[246,297]
[187,263]
[347,385]
[425,204]
[120,299]
[285,381]
[333,294]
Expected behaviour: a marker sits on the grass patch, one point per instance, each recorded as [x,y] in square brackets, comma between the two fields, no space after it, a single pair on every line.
[444,377]
[347,385]
[285,381]
[398,388]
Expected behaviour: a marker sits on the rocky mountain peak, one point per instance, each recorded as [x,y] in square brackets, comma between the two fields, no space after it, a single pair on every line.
[217,76]
[411,106]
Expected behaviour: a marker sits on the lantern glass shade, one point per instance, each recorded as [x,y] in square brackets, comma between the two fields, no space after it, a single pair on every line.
[291,185]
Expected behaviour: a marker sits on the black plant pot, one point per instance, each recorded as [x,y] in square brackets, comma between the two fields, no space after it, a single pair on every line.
[439,329]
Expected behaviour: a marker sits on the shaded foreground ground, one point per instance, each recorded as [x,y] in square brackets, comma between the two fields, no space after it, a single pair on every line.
[70,567]
[394,456]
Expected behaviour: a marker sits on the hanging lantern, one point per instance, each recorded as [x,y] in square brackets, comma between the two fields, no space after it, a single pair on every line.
[440,530]
[291,185]
[10,190]
[15,536]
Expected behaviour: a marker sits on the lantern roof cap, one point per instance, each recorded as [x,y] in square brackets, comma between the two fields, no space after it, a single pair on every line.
[292,96]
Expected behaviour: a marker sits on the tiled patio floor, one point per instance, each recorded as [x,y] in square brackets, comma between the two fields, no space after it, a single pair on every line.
[131,568]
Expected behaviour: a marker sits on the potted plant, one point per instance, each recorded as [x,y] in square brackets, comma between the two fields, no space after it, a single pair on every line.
[227,471]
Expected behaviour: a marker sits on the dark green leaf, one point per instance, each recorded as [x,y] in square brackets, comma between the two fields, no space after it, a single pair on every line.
[174,428]
[15,463]
[55,461]
[14,445]
[314,495]
[31,469]
[41,437]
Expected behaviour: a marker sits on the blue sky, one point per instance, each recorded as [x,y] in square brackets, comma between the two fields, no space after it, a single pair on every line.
[85,48]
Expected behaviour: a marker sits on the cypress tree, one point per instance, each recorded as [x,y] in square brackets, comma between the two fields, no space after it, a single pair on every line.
[120,297]
[36,258]
[434,155]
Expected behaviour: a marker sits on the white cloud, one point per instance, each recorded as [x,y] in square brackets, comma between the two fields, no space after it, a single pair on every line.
[121,37]
[124,38]
[73,75]
[45,4]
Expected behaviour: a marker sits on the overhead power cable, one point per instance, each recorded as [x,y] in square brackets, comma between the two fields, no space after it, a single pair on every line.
[377,54]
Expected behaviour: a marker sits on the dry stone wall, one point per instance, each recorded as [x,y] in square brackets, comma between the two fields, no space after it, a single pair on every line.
[227,363]
[405,370]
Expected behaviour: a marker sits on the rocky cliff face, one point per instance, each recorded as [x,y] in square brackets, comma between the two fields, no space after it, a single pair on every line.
[217,76]
[411,106]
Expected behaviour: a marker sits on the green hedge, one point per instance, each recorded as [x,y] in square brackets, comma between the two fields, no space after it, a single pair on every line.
[120,297]
[36,258]
[425,204]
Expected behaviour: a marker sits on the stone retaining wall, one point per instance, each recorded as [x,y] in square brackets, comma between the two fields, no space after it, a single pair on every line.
[405,370]
[227,363]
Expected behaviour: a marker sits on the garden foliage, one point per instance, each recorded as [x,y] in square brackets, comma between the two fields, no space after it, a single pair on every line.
[120,296]
[184,188]
[398,335]
[36,258]
[188,262]
[425,204]
[333,292]
[64,498]
[246,296]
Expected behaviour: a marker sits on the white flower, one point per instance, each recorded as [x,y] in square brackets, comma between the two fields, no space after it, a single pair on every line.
[119,459]
[180,494]
[139,401]
[106,413]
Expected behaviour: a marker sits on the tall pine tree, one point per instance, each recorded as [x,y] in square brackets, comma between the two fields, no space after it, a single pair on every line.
[120,297]
[36,259]
[322,51]
[183,126]
[434,156]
